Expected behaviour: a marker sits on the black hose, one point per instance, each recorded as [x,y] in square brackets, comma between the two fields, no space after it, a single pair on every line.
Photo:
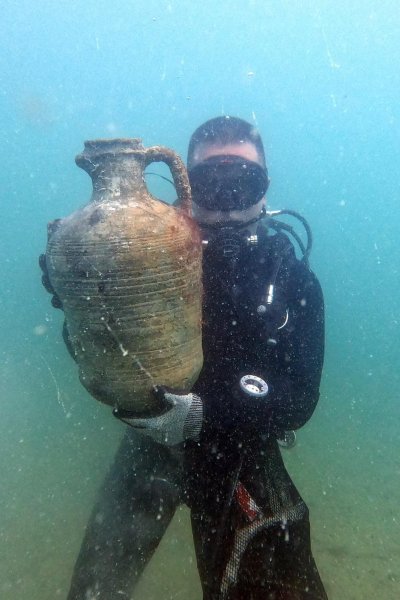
[279,225]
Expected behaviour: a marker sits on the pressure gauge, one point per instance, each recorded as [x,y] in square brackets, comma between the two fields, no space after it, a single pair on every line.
[253,386]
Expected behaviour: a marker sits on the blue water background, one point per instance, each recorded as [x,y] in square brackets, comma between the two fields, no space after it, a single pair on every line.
[321,81]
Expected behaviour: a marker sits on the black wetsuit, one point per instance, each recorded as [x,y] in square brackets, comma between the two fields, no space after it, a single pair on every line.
[250,525]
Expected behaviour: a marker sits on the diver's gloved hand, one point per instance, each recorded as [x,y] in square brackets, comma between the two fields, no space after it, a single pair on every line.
[55,300]
[182,419]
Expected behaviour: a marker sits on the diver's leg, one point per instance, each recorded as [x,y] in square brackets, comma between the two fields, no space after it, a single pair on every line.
[278,565]
[210,556]
[134,507]
[211,475]
[263,557]
[272,566]
[276,560]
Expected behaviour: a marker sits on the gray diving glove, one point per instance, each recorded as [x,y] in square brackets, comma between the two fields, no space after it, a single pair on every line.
[181,421]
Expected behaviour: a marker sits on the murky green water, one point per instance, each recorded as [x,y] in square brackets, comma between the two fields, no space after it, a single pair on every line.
[321,81]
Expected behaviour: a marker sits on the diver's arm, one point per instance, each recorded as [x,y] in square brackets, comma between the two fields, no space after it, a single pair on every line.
[55,301]
[293,376]
[295,383]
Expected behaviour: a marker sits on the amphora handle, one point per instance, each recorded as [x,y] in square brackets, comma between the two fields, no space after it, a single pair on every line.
[178,171]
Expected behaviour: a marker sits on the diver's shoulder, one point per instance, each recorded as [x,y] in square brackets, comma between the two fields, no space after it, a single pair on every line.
[279,244]
[276,244]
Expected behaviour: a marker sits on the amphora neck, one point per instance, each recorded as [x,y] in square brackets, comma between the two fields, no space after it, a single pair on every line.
[116,167]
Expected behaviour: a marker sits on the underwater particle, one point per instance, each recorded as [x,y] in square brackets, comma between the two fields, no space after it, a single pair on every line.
[40,329]
[250,73]
[111,127]
[34,109]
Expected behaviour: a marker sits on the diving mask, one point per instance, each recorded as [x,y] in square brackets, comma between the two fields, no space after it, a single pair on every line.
[227,183]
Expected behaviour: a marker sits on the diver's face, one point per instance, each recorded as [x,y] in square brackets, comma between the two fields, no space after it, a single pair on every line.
[244,150]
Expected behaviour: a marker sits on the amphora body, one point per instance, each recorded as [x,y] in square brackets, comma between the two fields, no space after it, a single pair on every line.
[127,269]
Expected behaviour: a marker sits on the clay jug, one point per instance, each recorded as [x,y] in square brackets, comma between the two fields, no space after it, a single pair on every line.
[127,269]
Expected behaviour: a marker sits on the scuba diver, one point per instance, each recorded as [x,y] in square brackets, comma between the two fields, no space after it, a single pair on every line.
[216,447]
